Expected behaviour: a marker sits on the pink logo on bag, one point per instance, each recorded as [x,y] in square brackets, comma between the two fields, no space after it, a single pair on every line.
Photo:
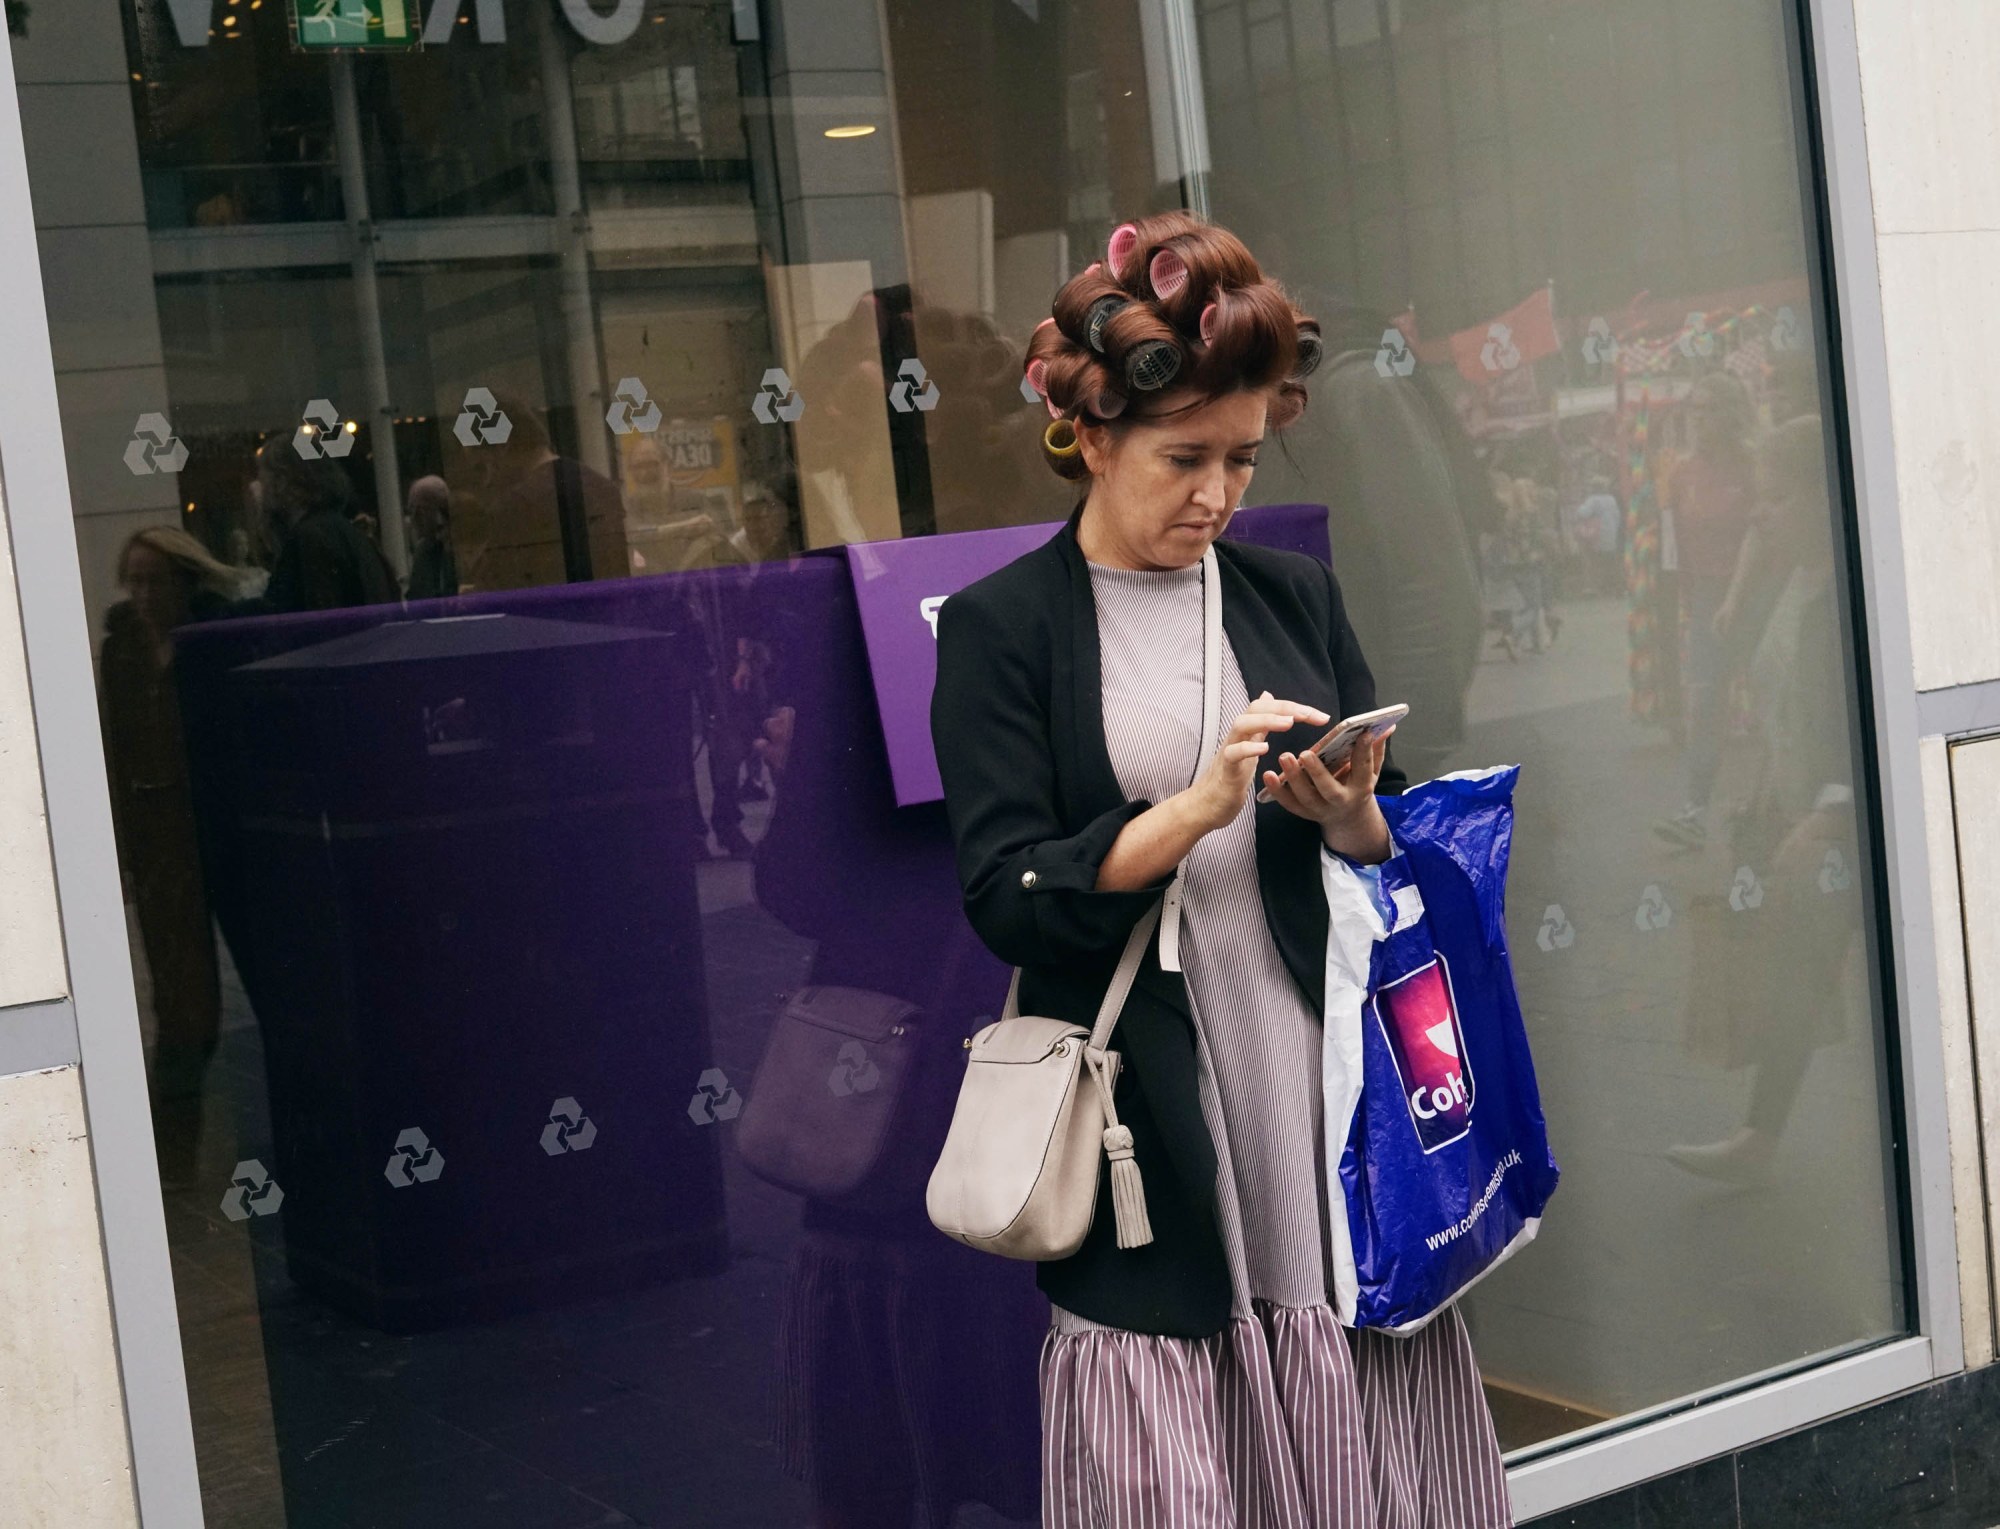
[1419,1020]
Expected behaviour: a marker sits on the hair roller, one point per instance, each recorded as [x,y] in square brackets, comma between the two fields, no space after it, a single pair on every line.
[1152,364]
[1287,404]
[1178,312]
[1038,376]
[1079,296]
[1062,450]
[1124,239]
[1099,315]
[1311,349]
[1254,337]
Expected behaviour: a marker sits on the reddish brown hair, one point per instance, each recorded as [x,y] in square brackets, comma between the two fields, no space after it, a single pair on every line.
[1256,339]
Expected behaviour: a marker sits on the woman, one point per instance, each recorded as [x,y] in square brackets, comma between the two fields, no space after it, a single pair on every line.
[170,579]
[1201,1379]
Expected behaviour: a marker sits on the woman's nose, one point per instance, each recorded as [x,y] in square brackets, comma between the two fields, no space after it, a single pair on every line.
[1213,493]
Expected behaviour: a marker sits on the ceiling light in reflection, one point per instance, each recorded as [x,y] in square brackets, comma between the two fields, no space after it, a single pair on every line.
[852,130]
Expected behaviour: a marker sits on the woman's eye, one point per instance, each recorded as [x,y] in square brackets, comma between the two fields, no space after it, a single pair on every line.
[1245,462]
[1185,461]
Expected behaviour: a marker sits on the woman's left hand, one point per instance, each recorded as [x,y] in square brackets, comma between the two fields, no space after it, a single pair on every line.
[1342,801]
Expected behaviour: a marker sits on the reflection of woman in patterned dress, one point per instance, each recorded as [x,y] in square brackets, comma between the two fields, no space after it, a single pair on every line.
[1200,1379]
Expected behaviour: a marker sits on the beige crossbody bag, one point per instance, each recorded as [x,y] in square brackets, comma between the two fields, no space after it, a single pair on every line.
[1018,1173]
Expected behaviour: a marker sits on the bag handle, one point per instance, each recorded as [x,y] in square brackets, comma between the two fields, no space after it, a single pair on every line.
[1211,724]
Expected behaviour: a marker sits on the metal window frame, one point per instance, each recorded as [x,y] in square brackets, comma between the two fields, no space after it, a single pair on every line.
[106,1017]
[91,906]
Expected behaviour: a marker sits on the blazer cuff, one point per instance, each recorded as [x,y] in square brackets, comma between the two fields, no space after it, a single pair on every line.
[1056,881]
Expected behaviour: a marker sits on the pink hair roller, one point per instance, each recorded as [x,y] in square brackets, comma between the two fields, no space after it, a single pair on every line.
[1054,412]
[1168,273]
[1208,325]
[1124,239]
[1038,376]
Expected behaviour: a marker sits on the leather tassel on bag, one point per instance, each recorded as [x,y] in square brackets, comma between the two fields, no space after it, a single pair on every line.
[1128,1193]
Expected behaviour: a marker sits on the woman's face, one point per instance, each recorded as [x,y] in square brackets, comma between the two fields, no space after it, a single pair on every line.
[1162,490]
[158,588]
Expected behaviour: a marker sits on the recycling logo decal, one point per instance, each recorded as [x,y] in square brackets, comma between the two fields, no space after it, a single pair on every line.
[482,422]
[1745,890]
[1787,333]
[1557,932]
[714,1099]
[631,409]
[777,399]
[154,448]
[1395,358]
[415,1160]
[252,1192]
[911,375]
[1653,910]
[854,1072]
[1499,353]
[320,432]
[1697,339]
[1599,344]
[568,1130]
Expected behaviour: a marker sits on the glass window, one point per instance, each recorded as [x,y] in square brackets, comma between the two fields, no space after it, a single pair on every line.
[551,1015]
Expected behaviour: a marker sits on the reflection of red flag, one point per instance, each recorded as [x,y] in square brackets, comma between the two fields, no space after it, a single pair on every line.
[1519,337]
[1430,352]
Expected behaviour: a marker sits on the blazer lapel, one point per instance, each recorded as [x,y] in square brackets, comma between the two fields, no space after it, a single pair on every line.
[1291,663]
[1097,781]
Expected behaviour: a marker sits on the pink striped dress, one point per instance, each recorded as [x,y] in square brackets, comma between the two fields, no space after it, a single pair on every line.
[1285,1420]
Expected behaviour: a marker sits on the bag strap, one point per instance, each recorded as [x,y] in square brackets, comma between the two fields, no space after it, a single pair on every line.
[1211,725]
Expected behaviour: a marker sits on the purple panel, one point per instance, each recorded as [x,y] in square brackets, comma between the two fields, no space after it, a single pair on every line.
[899,585]
[467,868]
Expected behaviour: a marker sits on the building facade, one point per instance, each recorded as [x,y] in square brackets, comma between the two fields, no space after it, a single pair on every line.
[448,455]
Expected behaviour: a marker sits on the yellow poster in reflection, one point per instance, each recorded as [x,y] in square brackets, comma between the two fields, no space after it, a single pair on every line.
[682,489]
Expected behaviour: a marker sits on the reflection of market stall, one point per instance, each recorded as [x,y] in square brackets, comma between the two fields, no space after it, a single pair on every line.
[1581,422]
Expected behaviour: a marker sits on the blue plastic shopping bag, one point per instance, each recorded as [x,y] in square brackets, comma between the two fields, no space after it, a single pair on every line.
[1432,1112]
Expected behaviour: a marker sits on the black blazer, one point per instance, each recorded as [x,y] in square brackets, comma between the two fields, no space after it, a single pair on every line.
[1017,720]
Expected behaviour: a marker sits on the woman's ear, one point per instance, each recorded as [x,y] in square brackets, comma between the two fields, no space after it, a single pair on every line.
[1096,441]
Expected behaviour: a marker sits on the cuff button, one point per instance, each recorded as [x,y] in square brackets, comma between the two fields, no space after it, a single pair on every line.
[1029,878]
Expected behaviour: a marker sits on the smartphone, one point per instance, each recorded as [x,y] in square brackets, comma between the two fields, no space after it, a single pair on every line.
[1346,735]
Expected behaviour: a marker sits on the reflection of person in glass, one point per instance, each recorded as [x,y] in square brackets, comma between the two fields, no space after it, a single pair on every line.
[1704,518]
[1066,721]
[433,563]
[325,561]
[905,1375]
[538,517]
[1767,996]
[170,579]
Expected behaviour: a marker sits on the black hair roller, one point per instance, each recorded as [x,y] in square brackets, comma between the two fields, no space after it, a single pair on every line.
[1100,315]
[1311,349]
[1152,364]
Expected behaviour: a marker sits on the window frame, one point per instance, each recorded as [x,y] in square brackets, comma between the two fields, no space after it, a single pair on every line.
[105,1033]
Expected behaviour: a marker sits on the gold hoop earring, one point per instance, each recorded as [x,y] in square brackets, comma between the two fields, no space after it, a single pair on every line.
[1060,440]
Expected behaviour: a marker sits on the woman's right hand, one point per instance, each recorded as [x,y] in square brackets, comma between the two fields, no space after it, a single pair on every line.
[1219,792]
